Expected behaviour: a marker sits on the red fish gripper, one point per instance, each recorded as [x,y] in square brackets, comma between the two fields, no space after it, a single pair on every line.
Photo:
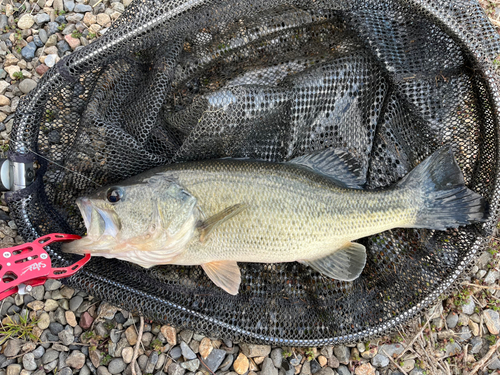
[25,266]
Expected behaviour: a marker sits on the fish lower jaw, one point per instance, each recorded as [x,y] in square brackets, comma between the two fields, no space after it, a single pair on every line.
[90,245]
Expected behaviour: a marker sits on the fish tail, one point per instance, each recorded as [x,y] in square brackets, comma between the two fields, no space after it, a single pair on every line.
[447,202]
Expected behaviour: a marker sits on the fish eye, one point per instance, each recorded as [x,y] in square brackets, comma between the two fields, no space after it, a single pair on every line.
[114,194]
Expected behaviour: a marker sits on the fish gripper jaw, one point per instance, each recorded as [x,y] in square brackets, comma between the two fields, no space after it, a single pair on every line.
[25,266]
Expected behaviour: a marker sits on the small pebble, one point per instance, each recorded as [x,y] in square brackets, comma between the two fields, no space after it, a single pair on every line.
[117,365]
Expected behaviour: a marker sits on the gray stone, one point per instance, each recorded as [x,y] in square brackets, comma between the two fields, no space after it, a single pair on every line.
[269,369]
[63,356]
[12,348]
[151,363]
[29,362]
[61,19]
[214,359]
[43,36]
[390,349]
[28,52]
[55,328]
[49,356]
[42,18]
[85,370]
[13,310]
[76,301]
[227,363]
[464,334]
[176,369]
[452,320]
[100,330]
[452,348]
[342,353]
[494,364]
[4,22]
[66,337]
[38,352]
[277,357]
[60,317]
[315,366]
[27,85]
[295,361]
[469,307]
[306,368]
[38,42]
[75,18]
[477,344]
[69,29]
[50,366]
[53,27]
[4,362]
[191,365]
[142,360]
[187,352]
[380,361]
[186,335]
[116,366]
[491,277]
[492,321]
[115,335]
[65,371]
[63,47]
[69,5]
[82,8]
[162,358]
[176,352]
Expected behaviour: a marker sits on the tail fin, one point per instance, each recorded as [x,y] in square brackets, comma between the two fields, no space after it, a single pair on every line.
[447,202]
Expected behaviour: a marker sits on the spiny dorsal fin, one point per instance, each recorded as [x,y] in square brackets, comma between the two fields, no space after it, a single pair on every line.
[225,274]
[336,164]
[208,225]
[345,264]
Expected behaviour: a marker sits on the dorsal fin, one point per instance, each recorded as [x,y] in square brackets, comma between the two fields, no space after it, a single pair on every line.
[336,164]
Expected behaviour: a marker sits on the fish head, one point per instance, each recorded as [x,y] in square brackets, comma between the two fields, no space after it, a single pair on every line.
[152,215]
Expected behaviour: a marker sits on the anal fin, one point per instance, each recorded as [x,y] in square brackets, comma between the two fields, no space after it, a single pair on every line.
[225,274]
[344,264]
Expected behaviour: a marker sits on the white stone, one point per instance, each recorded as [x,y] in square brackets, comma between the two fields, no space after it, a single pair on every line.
[26,21]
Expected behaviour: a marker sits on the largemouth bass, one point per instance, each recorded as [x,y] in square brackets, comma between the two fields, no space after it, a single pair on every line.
[216,213]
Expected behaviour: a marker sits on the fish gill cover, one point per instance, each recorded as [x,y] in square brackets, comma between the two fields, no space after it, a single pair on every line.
[387,81]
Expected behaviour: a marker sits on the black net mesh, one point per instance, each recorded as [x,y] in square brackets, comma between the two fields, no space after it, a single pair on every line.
[389,81]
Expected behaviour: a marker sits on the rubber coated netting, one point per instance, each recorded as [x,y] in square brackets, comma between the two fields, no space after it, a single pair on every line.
[388,81]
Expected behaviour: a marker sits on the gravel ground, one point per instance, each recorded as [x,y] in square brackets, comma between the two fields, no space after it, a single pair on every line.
[67,331]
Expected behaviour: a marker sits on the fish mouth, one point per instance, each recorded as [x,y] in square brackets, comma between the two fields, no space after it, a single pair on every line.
[103,226]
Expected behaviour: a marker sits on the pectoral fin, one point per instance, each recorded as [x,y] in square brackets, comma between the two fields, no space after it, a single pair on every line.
[225,274]
[208,225]
[344,264]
